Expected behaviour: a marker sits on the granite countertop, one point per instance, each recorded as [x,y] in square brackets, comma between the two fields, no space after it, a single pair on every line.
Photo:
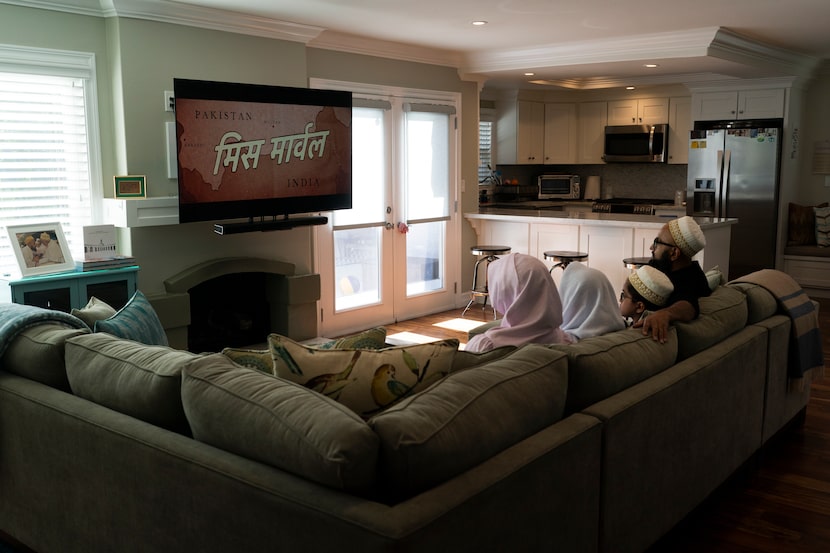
[565,216]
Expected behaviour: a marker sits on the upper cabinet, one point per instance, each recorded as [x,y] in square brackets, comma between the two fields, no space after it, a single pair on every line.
[642,111]
[740,104]
[593,117]
[680,123]
[520,134]
[560,133]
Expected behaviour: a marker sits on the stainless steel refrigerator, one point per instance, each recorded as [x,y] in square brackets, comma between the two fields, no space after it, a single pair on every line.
[734,172]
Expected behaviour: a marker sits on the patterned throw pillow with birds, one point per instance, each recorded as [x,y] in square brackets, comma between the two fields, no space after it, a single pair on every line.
[364,380]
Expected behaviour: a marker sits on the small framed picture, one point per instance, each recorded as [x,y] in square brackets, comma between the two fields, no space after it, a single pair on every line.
[41,249]
[130,186]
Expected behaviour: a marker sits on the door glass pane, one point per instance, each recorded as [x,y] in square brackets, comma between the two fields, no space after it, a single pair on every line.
[427,165]
[357,256]
[424,257]
[368,170]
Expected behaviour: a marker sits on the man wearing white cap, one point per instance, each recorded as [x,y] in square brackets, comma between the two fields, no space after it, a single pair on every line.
[671,252]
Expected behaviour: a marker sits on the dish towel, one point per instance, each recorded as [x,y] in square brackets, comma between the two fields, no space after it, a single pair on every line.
[805,347]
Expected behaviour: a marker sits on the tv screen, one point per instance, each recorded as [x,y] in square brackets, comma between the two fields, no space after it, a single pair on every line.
[246,150]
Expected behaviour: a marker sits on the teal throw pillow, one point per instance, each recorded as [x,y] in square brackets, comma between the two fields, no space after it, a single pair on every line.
[135,321]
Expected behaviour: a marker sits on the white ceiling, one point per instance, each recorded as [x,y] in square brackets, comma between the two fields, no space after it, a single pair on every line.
[579,44]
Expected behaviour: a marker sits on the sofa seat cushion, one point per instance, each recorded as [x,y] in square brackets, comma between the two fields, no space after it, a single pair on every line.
[279,423]
[37,353]
[601,366]
[467,417]
[760,303]
[722,314]
[133,378]
[365,380]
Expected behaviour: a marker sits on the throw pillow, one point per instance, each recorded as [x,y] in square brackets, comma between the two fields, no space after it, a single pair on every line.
[801,225]
[279,423]
[822,226]
[135,321]
[94,310]
[129,377]
[468,417]
[366,381]
[715,277]
[259,359]
[374,338]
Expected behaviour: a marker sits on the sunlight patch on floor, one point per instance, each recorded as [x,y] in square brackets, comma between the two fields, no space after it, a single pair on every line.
[461,325]
[409,338]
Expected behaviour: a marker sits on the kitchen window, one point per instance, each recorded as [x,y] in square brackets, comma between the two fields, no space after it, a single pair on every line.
[48,144]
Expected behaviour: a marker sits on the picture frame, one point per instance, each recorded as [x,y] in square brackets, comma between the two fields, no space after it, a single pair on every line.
[130,186]
[49,250]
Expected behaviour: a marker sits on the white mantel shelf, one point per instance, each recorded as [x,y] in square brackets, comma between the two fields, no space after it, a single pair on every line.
[145,212]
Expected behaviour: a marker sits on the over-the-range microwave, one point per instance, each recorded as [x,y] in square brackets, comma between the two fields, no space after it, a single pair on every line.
[636,143]
[559,187]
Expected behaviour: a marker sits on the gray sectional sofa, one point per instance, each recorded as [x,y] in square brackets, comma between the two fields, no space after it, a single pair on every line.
[602,445]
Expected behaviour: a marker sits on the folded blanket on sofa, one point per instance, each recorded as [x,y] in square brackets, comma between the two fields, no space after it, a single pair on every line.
[14,318]
[805,347]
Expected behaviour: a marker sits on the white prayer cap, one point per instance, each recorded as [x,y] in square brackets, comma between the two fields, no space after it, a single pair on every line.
[687,235]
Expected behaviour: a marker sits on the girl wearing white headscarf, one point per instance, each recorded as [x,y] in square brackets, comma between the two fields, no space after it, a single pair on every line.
[590,304]
[522,289]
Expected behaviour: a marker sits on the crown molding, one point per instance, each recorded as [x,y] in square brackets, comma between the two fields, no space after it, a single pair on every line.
[354,44]
[180,14]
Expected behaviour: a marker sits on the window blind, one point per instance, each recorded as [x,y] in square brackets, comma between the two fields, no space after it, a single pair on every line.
[485,149]
[44,158]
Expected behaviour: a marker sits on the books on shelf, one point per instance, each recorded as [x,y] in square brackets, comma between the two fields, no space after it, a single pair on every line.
[111,262]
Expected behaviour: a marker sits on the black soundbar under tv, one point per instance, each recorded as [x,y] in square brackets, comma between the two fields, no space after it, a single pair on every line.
[262,226]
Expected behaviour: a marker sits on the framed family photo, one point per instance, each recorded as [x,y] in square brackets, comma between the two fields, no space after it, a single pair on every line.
[41,249]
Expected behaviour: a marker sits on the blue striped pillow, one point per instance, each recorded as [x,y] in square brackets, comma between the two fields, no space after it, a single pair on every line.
[135,321]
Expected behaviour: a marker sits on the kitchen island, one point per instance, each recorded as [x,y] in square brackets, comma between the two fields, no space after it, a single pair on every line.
[608,238]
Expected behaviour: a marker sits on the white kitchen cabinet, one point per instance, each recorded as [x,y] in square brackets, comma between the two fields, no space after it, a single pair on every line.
[546,237]
[560,133]
[531,132]
[740,104]
[607,246]
[638,111]
[593,117]
[680,123]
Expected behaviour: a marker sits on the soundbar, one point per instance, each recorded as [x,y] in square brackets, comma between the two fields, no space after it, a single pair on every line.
[275,224]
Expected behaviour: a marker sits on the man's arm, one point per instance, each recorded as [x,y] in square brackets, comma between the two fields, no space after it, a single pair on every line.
[657,324]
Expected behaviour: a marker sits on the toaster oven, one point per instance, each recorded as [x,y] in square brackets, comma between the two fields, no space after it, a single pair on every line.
[559,187]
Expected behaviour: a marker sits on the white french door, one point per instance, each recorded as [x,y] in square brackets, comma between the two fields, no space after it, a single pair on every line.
[386,259]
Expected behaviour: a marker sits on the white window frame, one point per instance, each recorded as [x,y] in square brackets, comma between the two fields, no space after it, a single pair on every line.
[76,65]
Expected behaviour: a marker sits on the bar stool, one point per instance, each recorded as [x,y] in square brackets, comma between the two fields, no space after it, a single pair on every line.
[488,254]
[564,257]
[634,263]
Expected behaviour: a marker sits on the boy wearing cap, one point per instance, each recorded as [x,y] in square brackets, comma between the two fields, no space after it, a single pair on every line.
[645,290]
[671,252]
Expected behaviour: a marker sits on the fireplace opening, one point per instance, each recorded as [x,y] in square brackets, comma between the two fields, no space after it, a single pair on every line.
[228,311]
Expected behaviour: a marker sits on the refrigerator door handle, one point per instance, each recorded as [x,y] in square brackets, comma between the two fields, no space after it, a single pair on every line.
[723,198]
[718,185]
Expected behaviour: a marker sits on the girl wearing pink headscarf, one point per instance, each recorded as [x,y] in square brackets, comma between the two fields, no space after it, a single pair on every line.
[522,289]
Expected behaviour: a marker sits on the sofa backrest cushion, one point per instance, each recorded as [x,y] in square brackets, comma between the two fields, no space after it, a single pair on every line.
[468,417]
[364,380]
[279,423]
[601,366]
[37,353]
[760,303]
[722,314]
[133,378]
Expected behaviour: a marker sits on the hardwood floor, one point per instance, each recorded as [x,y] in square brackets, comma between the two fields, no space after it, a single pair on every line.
[780,503]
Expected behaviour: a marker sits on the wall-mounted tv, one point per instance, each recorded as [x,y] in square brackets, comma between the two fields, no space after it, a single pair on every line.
[248,150]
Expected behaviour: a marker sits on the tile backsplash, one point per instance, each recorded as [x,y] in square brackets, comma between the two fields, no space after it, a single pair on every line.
[656,181]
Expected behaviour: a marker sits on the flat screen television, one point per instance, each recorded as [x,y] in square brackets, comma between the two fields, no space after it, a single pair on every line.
[248,150]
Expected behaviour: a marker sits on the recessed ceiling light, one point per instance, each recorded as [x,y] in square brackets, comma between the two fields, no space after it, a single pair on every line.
[651,65]
[529,74]
[479,23]
[629,88]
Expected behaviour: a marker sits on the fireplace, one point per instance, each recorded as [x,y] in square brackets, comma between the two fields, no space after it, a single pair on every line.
[237,302]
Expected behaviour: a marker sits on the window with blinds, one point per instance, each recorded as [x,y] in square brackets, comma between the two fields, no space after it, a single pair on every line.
[45,165]
[485,149]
